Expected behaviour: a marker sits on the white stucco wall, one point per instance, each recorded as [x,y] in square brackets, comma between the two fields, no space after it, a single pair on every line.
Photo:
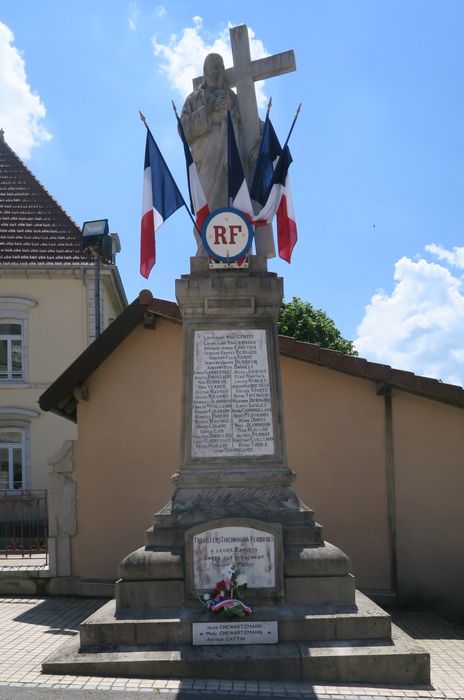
[56,332]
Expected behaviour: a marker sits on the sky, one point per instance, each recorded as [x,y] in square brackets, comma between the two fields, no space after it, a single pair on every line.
[378,149]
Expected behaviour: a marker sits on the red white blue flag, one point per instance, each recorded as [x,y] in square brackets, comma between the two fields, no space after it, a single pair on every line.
[198,204]
[271,188]
[287,234]
[268,155]
[280,204]
[161,198]
[238,193]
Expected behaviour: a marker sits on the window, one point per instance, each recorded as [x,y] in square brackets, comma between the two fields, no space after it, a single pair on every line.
[15,447]
[14,351]
[11,350]
[12,459]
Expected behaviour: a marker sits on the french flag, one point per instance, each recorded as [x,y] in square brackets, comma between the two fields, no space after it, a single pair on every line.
[275,191]
[269,152]
[198,204]
[161,198]
[238,193]
[230,603]
[287,234]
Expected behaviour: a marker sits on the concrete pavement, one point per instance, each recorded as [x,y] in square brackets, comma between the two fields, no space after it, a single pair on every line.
[32,628]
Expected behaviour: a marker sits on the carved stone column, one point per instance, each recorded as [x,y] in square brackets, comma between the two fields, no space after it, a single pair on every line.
[233,456]
[233,480]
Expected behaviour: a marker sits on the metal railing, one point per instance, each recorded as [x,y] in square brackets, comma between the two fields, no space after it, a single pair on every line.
[23,524]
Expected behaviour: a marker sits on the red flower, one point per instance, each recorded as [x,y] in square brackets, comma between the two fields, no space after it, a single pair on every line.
[220,586]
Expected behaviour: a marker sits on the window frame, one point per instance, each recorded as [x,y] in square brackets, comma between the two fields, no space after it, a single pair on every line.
[16,310]
[10,338]
[17,418]
[21,445]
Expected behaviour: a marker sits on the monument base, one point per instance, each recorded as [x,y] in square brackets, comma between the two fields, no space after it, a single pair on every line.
[234,505]
[310,625]
[305,570]
[327,644]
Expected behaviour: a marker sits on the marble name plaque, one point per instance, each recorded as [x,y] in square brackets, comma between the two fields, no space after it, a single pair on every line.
[231,395]
[235,632]
[252,550]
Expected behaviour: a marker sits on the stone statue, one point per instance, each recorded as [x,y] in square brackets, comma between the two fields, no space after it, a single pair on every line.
[204,120]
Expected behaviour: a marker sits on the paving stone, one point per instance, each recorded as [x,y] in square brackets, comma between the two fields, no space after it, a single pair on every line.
[30,628]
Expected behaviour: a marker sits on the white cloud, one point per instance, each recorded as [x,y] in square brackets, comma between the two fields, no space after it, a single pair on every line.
[21,109]
[134,14]
[184,54]
[454,257]
[160,11]
[420,325]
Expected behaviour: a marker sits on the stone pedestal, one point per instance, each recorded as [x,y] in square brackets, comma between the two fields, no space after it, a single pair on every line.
[233,499]
[233,453]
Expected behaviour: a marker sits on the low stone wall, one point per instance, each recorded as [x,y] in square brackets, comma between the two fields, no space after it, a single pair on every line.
[18,581]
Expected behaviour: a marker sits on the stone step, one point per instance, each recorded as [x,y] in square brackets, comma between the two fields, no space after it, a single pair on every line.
[305,533]
[400,661]
[166,519]
[88,588]
[162,562]
[365,620]
[317,560]
[302,534]
[308,590]
[299,590]
[166,537]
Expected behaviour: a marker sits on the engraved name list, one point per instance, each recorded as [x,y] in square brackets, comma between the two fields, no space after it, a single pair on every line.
[231,406]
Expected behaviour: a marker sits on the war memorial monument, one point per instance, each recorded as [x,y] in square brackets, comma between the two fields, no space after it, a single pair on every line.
[234,513]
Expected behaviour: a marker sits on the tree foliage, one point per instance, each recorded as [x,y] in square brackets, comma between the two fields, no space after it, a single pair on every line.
[300,320]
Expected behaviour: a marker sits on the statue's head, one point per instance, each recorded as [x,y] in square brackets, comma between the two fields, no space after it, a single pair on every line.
[214,73]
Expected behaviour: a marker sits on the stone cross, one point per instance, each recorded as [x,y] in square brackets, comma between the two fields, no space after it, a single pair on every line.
[245,73]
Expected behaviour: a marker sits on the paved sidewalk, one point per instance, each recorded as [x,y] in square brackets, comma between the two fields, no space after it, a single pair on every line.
[17,562]
[31,628]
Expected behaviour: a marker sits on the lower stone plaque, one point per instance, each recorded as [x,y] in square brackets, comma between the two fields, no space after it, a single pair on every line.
[252,550]
[235,632]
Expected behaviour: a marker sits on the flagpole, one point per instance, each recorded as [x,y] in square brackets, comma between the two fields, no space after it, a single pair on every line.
[142,117]
[269,105]
[229,123]
[292,126]
[174,108]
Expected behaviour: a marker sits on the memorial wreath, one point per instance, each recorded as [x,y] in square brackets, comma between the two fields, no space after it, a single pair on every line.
[226,599]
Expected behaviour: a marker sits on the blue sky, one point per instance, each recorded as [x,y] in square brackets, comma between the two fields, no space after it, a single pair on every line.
[378,171]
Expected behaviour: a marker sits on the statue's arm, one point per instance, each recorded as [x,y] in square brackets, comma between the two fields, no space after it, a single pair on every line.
[195,120]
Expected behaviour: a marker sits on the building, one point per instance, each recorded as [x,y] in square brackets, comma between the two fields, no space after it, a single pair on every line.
[377,453]
[47,318]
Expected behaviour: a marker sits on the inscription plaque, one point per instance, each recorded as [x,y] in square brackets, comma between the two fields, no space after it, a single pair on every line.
[235,632]
[252,550]
[231,403]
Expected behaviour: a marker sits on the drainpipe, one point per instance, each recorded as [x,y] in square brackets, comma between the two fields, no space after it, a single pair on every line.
[384,389]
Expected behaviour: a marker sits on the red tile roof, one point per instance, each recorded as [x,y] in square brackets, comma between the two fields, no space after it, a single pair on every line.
[60,397]
[34,229]
[384,375]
